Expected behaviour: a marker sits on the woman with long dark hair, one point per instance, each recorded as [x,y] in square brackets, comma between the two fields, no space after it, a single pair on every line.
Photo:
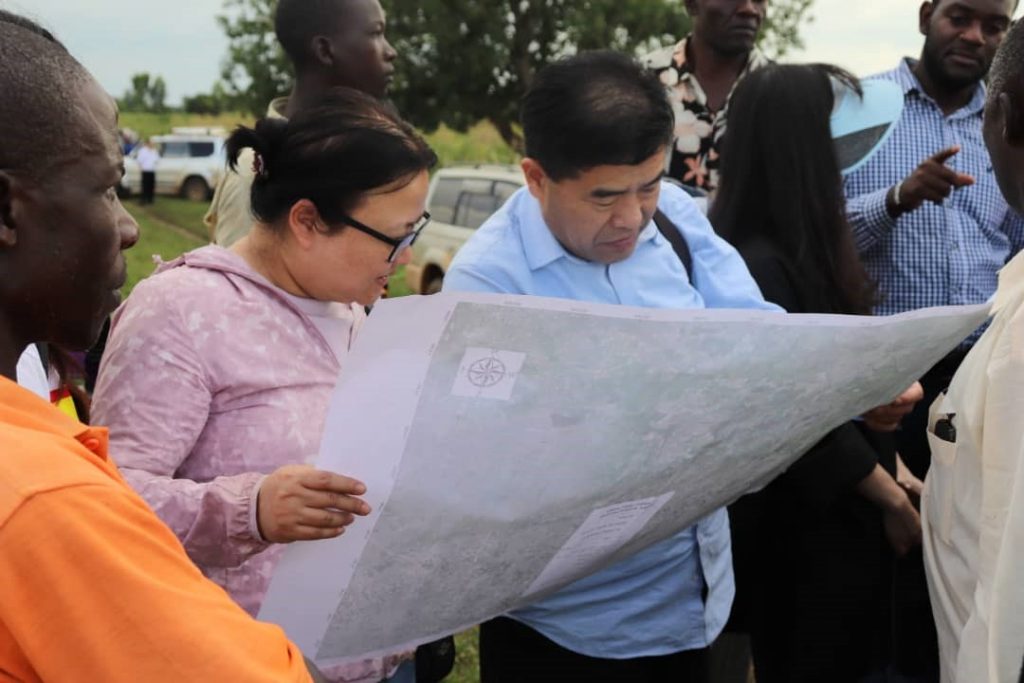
[810,549]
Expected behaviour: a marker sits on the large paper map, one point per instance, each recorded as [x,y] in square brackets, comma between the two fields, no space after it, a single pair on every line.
[511,445]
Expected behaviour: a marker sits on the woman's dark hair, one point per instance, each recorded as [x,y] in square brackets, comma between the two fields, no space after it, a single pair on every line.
[594,109]
[780,181]
[332,153]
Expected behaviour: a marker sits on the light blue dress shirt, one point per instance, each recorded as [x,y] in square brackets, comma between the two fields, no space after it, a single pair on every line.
[651,603]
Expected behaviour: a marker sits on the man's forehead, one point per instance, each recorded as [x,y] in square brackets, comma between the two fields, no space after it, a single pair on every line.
[95,142]
[647,171]
[360,11]
[723,4]
[99,114]
[990,8]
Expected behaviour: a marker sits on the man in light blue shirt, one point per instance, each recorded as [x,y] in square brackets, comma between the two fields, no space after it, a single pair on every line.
[597,130]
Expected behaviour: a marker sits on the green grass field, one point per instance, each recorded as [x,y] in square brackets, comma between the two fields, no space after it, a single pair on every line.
[480,144]
[155,240]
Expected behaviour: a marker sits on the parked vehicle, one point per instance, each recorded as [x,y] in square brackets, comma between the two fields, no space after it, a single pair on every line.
[459,200]
[192,161]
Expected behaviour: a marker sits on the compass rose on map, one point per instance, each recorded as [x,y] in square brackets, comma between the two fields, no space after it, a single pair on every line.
[486,372]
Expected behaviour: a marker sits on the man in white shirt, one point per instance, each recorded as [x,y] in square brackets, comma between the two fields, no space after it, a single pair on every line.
[148,158]
[31,373]
[973,503]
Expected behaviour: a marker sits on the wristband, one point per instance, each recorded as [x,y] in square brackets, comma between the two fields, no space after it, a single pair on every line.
[896,195]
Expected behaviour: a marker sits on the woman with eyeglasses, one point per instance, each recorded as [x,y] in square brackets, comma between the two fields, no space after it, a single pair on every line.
[219,368]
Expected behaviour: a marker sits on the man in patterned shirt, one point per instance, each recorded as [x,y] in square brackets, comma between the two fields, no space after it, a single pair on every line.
[933,229]
[700,73]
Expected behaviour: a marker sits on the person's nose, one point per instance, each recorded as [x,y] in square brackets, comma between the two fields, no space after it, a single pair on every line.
[750,8]
[973,34]
[127,228]
[390,54]
[404,257]
[629,212]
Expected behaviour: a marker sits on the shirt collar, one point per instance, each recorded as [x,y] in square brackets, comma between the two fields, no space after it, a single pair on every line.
[908,82]
[1011,280]
[277,108]
[755,60]
[24,408]
[540,246]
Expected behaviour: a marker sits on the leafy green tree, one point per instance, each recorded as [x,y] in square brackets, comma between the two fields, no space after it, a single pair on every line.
[782,27]
[214,102]
[255,70]
[147,94]
[463,61]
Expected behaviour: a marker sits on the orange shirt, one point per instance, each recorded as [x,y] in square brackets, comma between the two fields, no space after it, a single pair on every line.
[93,587]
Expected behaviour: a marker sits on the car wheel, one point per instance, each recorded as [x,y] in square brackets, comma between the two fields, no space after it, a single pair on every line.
[434,286]
[195,189]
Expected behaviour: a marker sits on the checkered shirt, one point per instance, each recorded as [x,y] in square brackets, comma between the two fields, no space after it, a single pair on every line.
[936,255]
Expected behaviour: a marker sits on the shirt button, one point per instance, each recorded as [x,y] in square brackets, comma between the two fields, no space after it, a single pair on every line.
[92,443]
[954,246]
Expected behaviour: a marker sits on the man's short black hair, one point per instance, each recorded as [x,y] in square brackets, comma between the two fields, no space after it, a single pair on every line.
[39,110]
[297,22]
[595,109]
[1007,72]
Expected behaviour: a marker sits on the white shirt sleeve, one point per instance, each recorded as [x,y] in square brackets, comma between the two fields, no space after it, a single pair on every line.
[32,374]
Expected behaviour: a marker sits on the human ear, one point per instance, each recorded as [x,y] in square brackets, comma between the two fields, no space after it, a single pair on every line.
[535,177]
[924,17]
[323,52]
[303,223]
[8,235]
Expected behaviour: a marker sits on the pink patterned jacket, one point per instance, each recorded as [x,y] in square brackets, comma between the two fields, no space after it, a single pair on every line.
[210,381]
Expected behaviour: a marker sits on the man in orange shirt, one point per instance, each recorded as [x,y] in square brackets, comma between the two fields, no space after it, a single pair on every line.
[93,587]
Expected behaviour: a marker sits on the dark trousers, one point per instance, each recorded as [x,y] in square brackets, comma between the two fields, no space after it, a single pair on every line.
[148,186]
[511,652]
[915,643]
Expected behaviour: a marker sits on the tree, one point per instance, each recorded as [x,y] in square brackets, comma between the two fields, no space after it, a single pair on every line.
[782,27]
[214,102]
[470,60]
[147,94]
[256,69]
[463,61]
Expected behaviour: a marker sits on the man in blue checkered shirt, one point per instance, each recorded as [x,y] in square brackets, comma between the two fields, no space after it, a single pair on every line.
[933,230]
[929,221]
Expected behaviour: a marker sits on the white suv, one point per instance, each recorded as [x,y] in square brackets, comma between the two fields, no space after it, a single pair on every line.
[460,199]
[192,160]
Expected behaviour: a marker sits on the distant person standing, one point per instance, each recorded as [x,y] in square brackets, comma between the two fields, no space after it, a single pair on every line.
[148,158]
[933,230]
[700,73]
[330,43]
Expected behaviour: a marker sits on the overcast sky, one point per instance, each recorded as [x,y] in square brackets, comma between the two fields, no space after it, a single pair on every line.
[180,39]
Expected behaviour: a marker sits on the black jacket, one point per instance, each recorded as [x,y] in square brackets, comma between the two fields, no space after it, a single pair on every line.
[810,556]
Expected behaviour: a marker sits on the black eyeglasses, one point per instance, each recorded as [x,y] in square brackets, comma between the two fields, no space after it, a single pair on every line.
[397,246]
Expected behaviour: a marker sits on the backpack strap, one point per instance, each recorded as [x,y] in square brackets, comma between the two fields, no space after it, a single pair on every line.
[667,228]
